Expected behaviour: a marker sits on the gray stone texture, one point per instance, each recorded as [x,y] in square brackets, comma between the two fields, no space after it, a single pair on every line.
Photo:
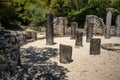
[25,36]
[118,26]
[79,39]
[49,29]
[113,31]
[89,32]
[98,24]
[74,26]
[9,51]
[108,22]
[65,53]
[95,45]
[60,24]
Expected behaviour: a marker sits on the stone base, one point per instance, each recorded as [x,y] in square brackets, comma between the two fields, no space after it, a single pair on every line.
[50,43]
[95,44]
[111,46]
[65,54]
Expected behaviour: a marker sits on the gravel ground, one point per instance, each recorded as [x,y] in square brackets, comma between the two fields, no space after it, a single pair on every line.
[105,66]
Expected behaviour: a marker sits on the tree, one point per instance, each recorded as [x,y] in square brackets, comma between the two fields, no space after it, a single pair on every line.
[7,12]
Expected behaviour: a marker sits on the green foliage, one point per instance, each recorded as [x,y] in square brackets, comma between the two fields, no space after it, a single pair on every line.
[37,15]
[12,26]
[32,12]
[7,11]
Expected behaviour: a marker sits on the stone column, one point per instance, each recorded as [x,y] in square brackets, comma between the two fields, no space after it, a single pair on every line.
[89,33]
[65,53]
[73,29]
[95,45]
[49,29]
[61,26]
[118,26]
[79,39]
[108,22]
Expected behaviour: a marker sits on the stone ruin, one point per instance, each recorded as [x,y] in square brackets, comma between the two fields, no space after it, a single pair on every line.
[118,26]
[98,24]
[25,36]
[111,46]
[60,26]
[10,42]
[9,53]
[113,31]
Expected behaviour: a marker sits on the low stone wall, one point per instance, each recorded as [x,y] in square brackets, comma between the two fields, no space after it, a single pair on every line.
[25,36]
[9,52]
[10,42]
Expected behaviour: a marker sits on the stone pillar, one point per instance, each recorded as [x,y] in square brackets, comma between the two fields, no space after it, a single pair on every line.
[73,29]
[118,26]
[62,27]
[49,29]
[89,33]
[79,39]
[65,53]
[95,45]
[108,22]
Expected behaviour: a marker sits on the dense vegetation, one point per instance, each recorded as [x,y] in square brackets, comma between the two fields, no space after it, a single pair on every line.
[32,12]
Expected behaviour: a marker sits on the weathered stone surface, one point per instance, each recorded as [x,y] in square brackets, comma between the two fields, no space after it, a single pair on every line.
[95,45]
[49,29]
[65,53]
[74,26]
[79,39]
[68,31]
[24,36]
[98,24]
[29,36]
[9,53]
[111,46]
[108,22]
[118,26]
[89,32]
[113,31]
[60,24]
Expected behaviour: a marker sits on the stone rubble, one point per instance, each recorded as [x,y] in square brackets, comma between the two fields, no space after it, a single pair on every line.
[9,54]
[10,62]
[60,26]
[25,36]
[98,24]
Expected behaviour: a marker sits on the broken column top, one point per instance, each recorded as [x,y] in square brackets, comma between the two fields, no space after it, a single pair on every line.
[109,9]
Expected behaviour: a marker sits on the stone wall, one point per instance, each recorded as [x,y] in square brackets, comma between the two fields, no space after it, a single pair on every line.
[9,52]
[60,26]
[98,24]
[25,36]
[10,42]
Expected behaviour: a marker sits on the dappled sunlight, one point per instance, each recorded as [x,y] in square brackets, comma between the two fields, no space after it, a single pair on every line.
[36,64]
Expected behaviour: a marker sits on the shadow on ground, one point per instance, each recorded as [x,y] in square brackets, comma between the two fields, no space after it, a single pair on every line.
[37,66]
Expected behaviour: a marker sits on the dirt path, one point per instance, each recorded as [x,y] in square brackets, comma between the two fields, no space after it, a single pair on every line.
[105,66]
